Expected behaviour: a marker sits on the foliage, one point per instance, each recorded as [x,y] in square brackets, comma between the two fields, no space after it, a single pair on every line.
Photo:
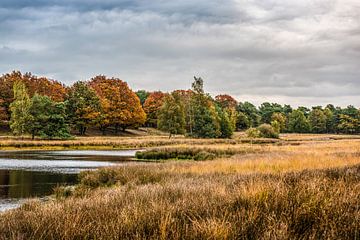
[317,120]
[268,109]
[19,108]
[253,133]
[82,106]
[204,115]
[281,119]
[171,117]
[41,85]
[152,106]
[226,101]
[298,122]
[242,121]
[251,113]
[48,119]
[142,95]
[348,124]
[119,104]
[267,131]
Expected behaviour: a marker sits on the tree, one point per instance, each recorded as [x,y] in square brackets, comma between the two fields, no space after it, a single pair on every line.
[142,95]
[348,124]
[330,120]
[204,115]
[251,113]
[171,117]
[298,122]
[20,109]
[242,122]
[268,109]
[48,118]
[82,106]
[280,118]
[227,126]
[120,106]
[226,101]
[151,107]
[41,85]
[317,120]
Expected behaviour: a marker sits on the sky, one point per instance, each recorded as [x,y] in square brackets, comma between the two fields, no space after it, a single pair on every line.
[287,51]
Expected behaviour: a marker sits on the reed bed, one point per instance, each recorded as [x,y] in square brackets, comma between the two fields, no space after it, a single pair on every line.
[306,191]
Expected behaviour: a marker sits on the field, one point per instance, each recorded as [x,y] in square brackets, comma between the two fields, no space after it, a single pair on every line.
[298,187]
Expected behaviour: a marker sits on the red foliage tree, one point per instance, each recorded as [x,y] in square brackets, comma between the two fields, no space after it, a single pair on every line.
[226,101]
[120,105]
[152,106]
[40,85]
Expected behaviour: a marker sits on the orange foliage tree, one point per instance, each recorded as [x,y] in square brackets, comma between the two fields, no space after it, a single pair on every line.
[121,107]
[152,106]
[226,101]
[40,85]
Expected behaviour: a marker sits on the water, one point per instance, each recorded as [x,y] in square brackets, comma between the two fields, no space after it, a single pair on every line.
[27,174]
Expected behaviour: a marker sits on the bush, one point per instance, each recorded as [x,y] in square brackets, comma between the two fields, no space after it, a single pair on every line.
[253,133]
[267,131]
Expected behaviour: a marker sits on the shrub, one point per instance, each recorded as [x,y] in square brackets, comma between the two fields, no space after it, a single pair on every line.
[267,131]
[253,133]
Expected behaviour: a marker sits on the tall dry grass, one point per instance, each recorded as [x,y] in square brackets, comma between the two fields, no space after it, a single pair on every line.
[310,191]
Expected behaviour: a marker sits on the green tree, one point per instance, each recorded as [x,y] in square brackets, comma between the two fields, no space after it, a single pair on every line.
[330,120]
[171,116]
[142,95]
[47,119]
[242,122]
[227,126]
[204,115]
[298,122]
[19,108]
[317,120]
[268,109]
[251,113]
[82,107]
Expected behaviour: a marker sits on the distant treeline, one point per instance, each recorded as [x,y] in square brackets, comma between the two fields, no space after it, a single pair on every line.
[47,108]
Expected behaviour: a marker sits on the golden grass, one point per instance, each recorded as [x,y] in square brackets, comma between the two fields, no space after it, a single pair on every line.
[272,191]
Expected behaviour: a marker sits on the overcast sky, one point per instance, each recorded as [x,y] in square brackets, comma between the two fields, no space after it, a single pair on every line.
[288,51]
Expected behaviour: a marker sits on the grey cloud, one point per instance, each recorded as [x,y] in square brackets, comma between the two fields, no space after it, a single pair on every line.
[295,51]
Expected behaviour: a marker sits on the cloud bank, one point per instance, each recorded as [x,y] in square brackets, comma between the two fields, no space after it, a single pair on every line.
[298,52]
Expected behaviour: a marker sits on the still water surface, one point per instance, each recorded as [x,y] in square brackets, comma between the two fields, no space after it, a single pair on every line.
[26,174]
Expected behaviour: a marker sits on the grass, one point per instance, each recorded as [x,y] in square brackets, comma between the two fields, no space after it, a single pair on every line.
[272,191]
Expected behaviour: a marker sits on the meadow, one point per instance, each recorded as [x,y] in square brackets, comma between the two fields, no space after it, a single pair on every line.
[298,187]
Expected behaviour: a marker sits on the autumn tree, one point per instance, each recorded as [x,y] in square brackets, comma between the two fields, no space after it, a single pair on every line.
[82,106]
[20,109]
[152,106]
[120,106]
[41,85]
[171,117]
[226,101]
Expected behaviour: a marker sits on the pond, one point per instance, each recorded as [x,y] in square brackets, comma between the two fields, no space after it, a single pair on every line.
[27,174]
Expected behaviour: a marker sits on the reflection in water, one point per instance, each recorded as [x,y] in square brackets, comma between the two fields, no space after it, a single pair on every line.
[26,174]
[24,184]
